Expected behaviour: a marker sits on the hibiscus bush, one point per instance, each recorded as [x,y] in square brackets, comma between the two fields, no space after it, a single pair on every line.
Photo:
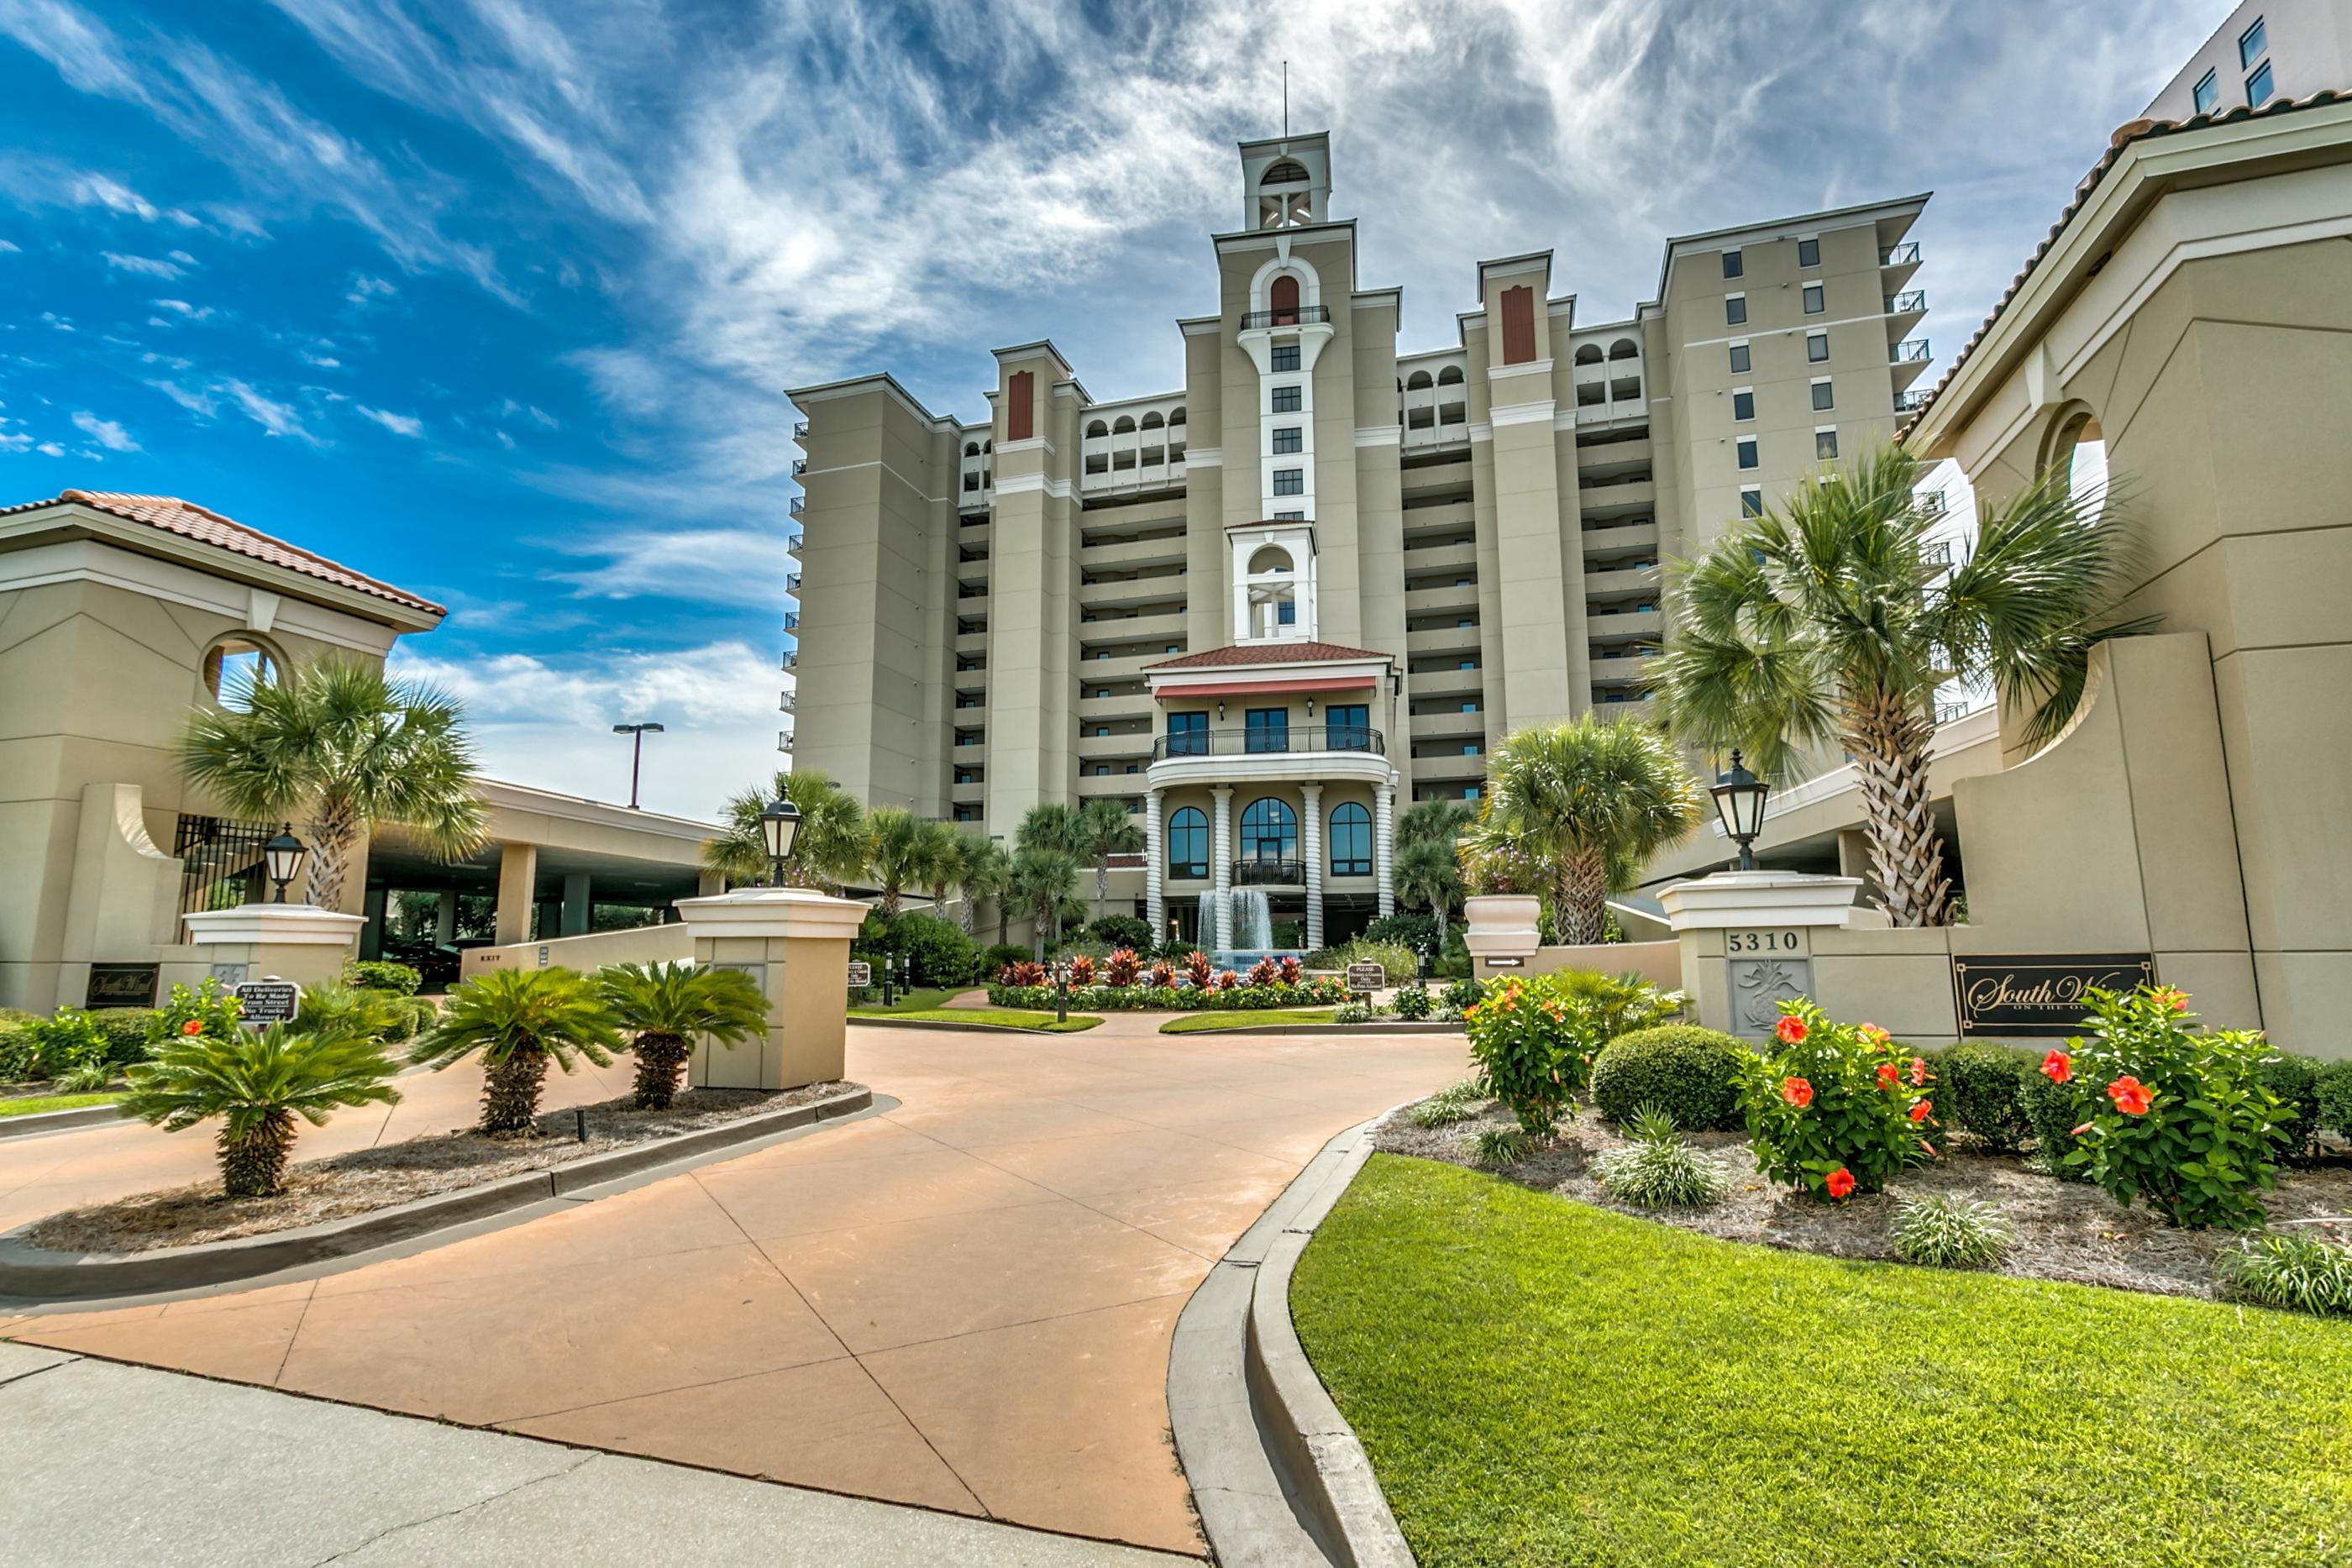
[2175,1115]
[1534,1060]
[211,1009]
[1836,1108]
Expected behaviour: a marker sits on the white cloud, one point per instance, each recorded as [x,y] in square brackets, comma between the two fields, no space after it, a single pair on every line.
[146,265]
[7,248]
[277,418]
[105,431]
[324,361]
[741,566]
[182,308]
[50,449]
[365,289]
[398,423]
[193,402]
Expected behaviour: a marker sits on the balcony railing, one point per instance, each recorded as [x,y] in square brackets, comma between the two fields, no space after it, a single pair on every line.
[791,659]
[1932,504]
[1263,742]
[783,740]
[793,542]
[1296,315]
[797,505]
[800,466]
[1904,254]
[1908,302]
[1911,352]
[784,702]
[1269,873]
[791,582]
[800,427]
[1939,553]
[1904,401]
[791,620]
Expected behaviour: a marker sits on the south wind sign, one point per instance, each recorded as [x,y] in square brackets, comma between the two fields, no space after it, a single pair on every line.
[2039,996]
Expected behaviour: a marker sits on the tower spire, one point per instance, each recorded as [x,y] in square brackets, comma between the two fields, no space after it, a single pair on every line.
[1285,100]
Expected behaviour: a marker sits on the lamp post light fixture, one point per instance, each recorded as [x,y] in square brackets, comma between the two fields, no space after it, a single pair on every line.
[1739,804]
[1061,992]
[636,752]
[282,857]
[779,824]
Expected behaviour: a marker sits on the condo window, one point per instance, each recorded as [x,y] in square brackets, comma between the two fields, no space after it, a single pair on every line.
[2258,87]
[1267,729]
[1738,359]
[1825,445]
[1822,397]
[1816,301]
[1102,732]
[1102,770]
[1467,664]
[1469,792]
[1269,831]
[1188,735]
[1817,348]
[1751,502]
[1808,253]
[1188,843]
[1351,841]
[1290,517]
[1290,481]
[1743,404]
[1469,707]
[1102,691]
[1289,438]
[1286,400]
[2253,43]
[1732,266]
[1286,357]
[2207,94]
[1348,726]
[1735,309]
[1748,452]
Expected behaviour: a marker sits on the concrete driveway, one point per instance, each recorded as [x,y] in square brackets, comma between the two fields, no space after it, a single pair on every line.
[964,1304]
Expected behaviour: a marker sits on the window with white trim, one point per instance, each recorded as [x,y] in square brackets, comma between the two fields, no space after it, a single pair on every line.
[1746,450]
[1743,403]
[1735,309]
[1817,348]
[1824,397]
[1739,358]
[1808,252]
[1816,299]
[1290,481]
[1825,443]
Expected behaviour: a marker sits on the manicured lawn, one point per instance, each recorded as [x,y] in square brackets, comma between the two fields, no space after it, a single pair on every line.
[1207,1023]
[1005,1018]
[1538,1382]
[35,1104]
[903,1002]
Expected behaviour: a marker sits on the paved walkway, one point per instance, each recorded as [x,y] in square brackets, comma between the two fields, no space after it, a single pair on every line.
[965,1304]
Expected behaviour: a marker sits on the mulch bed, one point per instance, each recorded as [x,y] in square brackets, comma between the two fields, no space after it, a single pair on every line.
[368,1179]
[2064,1229]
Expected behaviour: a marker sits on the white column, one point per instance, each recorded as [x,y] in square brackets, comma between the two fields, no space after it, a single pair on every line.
[1155,864]
[1313,794]
[1222,868]
[1384,847]
[444,917]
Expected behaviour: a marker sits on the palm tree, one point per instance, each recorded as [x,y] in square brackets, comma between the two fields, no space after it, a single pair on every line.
[908,851]
[1426,872]
[1050,825]
[980,868]
[665,1008]
[1826,622]
[1040,879]
[828,850]
[1106,829]
[1435,820]
[520,1019]
[1588,802]
[346,749]
[255,1083]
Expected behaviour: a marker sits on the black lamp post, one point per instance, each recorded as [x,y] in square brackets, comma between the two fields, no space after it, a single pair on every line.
[1061,992]
[636,752]
[1739,802]
[282,857]
[779,824]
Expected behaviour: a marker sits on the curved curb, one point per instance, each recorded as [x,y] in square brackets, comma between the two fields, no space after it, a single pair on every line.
[1276,1473]
[41,1122]
[38,1274]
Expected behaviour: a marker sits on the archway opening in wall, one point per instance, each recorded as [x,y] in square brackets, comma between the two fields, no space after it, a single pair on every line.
[1282,298]
[2081,446]
[1590,354]
[236,665]
[1273,593]
[1283,171]
[1418,381]
[1623,349]
[1450,376]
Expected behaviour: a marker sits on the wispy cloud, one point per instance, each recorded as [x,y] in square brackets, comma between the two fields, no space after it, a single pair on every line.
[276,418]
[105,431]
[741,566]
[148,266]
[398,423]
[195,403]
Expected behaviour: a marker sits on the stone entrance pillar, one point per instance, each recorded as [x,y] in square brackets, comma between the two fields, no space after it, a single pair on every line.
[794,944]
[1746,941]
[1312,795]
[296,942]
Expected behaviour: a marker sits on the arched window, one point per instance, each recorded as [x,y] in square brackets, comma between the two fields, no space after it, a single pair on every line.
[1269,831]
[1096,427]
[1623,349]
[1283,171]
[1122,425]
[1590,354]
[1417,380]
[235,665]
[1188,844]
[971,449]
[1177,416]
[1152,421]
[1351,841]
[1282,297]
[1449,375]
[1269,557]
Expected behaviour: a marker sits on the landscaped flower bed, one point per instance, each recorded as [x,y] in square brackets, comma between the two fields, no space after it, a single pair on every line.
[1123,983]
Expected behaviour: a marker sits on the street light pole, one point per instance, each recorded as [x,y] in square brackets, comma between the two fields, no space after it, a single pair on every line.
[636,752]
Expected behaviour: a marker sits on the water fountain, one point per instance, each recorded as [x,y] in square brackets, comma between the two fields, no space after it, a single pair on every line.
[1251,925]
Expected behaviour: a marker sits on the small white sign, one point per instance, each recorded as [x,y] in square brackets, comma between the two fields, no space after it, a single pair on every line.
[261,1003]
[1366,977]
[861,974]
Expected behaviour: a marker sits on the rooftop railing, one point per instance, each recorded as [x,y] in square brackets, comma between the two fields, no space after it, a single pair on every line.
[1353,737]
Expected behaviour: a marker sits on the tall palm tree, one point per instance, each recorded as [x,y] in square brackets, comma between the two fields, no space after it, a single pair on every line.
[255,1083]
[908,851]
[1106,829]
[521,1020]
[1825,620]
[665,1008]
[828,850]
[345,749]
[1438,821]
[1588,802]
[1040,880]
[980,868]
[1050,825]
[1427,874]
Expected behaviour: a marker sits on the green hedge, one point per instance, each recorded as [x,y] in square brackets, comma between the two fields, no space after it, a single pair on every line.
[1690,1073]
[2296,1080]
[1982,1090]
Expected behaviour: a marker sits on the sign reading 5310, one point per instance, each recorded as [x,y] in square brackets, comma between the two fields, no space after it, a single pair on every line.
[1789,941]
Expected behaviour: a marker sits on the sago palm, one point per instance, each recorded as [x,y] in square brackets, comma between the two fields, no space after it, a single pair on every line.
[1106,829]
[345,749]
[519,1020]
[1833,620]
[907,850]
[1040,880]
[1427,874]
[828,850]
[665,1008]
[255,1082]
[1588,802]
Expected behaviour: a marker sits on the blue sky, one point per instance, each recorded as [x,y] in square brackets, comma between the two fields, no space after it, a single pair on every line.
[497,298]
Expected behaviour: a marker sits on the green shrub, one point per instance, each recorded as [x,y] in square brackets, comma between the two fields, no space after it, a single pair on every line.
[2293,1083]
[993,959]
[1455,1103]
[1355,1010]
[212,1006]
[87,1078]
[70,1039]
[1411,1002]
[2052,1111]
[1945,1232]
[1114,931]
[2334,1095]
[1691,1074]
[1982,1085]
[2176,1116]
[1462,994]
[382,975]
[2302,1273]
[19,1057]
[1833,1107]
[1418,932]
[1502,1146]
[127,1032]
[1398,962]
[1659,1170]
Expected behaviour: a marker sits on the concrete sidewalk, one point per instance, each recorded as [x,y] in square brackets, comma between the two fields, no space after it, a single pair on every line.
[115,1465]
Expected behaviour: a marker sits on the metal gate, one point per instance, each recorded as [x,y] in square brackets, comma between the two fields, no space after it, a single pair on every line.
[221,863]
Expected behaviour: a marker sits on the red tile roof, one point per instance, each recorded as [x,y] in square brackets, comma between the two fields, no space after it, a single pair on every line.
[1275,653]
[2134,131]
[190,522]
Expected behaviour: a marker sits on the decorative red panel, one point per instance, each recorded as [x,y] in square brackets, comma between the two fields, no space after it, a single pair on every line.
[1021,406]
[1518,325]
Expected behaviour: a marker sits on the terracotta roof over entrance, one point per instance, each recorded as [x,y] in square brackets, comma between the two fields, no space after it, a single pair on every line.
[190,522]
[1274,652]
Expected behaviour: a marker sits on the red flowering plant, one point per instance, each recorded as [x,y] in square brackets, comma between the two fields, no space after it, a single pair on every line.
[1027,972]
[2175,1115]
[1121,968]
[1227,980]
[1163,973]
[211,1009]
[1837,1108]
[1082,969]
[1290,971]
[1264,972]
[1198,970]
